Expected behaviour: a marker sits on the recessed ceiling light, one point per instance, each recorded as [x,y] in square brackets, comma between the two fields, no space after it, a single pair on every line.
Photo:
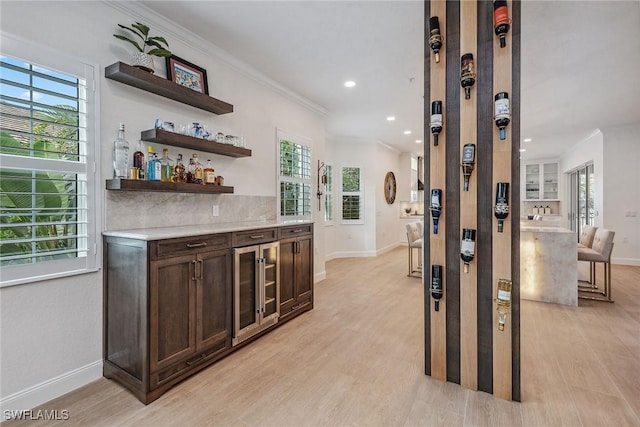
[527,140]
[391,118]
[418,141]
[522,150]
[349,83]
[407,132]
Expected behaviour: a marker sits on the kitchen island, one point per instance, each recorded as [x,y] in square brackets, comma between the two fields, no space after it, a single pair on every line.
[548,264]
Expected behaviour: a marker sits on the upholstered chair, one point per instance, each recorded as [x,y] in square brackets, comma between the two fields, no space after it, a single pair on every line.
[600,251]
[414,238]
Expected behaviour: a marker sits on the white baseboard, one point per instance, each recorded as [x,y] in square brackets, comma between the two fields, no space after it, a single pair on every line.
[353,254]
[625,261]
[387,248]
[319,277]
[41,393]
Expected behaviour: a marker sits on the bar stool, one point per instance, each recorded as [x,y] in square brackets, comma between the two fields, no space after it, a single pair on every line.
[600,251]
[586,241]
[414,239]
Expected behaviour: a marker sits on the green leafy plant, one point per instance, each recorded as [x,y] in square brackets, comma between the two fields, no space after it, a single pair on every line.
[158,44]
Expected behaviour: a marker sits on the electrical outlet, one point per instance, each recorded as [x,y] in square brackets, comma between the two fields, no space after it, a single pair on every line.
[216,210]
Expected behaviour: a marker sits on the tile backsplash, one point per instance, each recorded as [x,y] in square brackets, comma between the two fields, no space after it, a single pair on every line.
[132,210]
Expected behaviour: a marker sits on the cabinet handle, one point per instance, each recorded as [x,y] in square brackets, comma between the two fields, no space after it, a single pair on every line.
[299,230]
[192,362]
[196,245]
[259,236]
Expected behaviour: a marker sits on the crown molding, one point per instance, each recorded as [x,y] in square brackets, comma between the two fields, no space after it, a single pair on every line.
[169,28]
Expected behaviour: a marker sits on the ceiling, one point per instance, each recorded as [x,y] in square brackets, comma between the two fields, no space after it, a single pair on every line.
[580,76]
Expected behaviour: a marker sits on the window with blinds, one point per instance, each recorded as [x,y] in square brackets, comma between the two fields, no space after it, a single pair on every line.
[45,213]
[352,195]
[295,179]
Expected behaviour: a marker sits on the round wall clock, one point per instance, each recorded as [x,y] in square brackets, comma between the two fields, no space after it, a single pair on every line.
[390,188]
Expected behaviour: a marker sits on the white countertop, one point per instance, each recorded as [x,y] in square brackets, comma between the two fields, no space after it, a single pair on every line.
[196,230]
[545,229]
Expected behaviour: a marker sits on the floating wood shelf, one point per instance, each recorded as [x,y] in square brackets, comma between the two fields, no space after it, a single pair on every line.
[137,78]
[139,185]
[178,140]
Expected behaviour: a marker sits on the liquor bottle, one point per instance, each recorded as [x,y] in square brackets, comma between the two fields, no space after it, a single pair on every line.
[198,170]
[166,166]
[435,39]
[468,163]
[503,115]
[467,74]
[138,161]
[436,285]
[501,208]
[190,170]
[436,120]
[467,247]
[209,174]
[150,165]
[120,155]
[503,301]
[179,172]
[436,207]
[155,167]
[501,21]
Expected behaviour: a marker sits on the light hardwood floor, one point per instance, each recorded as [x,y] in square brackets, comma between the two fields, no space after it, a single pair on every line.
[357,359]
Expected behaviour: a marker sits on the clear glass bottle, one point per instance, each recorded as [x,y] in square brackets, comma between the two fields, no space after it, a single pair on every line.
[138,161]
[150,165]
[209,174]
[120,155]
[190,171]
[166,165]
[503,302]
[198,170]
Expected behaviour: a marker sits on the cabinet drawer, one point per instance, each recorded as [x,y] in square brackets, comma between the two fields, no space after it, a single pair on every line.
[290,310]
[252,237]
[296,230]
[187,245]
[161,377]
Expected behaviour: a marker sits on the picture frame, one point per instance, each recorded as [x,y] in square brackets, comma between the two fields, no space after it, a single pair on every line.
[187,74]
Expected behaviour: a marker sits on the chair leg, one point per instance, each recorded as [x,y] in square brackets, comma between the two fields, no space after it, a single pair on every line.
[605,294]
[410,261]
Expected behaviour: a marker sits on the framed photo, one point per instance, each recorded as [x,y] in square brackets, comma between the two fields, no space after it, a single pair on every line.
[187,74]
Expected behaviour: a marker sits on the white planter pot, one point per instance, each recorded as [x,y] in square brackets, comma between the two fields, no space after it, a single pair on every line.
[143,61]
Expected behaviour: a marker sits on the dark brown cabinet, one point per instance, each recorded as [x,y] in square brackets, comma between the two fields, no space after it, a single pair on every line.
[168,304]
[296,270]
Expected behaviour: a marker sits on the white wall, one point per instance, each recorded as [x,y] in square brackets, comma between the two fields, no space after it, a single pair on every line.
[387,216]
[622,191]
[51,332]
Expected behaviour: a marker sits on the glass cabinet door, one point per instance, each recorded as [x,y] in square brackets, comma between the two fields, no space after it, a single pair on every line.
[532,184]
[271,294]
[246,294]
[550,175]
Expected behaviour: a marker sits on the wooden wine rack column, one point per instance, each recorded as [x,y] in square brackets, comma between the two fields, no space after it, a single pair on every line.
[462,341]
[468,208]
[502,241]
[437,177]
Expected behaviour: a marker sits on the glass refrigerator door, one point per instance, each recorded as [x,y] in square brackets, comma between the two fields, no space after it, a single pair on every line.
[246,293]
[271,294]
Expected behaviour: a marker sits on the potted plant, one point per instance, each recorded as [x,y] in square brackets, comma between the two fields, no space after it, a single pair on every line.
[143,58]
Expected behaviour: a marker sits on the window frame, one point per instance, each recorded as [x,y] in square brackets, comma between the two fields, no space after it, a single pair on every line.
[305,142]
[55,60]
[359,193]
[328,194]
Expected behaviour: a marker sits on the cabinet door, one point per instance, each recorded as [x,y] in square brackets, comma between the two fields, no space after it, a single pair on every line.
[214,298]
[246,295]
[304,269]
[287,275]
[172,301]
[550,181]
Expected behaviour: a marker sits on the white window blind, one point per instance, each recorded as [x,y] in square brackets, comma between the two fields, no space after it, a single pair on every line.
[47,213]
[294,179]
[352,195]
[328,196]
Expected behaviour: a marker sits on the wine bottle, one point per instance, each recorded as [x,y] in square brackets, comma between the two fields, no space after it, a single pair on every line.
[435,39]
[501,208]
[436,285]
[502,113]
[467,247]
[467,74]
[436,120]
[468,163]
[138,161]
[120,155]
[501,21]
[436,207]
[503,301]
